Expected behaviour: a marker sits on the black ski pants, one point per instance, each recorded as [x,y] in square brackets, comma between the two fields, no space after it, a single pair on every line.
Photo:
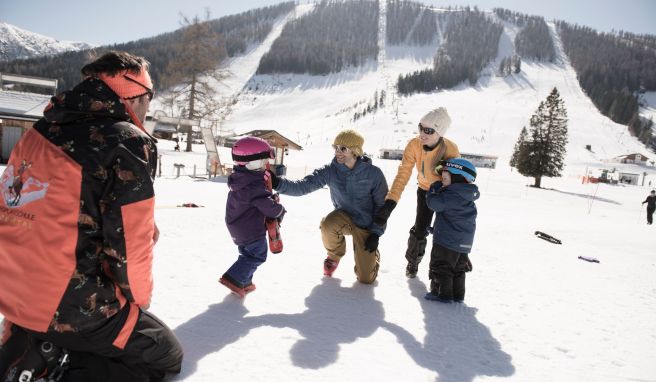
[447,273]
[419,231]
[152,350]
[650,215]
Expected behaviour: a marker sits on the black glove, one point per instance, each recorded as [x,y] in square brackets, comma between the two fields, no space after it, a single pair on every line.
[274,179]
[371,244]
[436,186]
[380,219]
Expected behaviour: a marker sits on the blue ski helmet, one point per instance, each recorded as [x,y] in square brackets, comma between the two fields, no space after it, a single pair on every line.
[460,166]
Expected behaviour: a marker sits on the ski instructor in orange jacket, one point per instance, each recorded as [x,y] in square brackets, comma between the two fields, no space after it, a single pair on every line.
[77,233]
[423,152]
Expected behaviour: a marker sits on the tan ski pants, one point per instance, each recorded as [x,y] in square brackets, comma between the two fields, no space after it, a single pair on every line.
[334,227]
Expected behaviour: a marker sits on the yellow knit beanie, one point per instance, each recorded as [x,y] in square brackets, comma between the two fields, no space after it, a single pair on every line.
[351,139]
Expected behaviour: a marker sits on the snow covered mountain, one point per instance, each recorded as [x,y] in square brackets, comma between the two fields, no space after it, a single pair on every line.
[19,43]
[487,116]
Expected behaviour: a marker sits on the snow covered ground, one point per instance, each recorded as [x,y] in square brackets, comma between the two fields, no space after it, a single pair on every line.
[533,310]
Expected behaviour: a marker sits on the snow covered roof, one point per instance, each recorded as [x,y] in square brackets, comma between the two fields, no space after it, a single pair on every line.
[20,104]
[274,138]
[633,156]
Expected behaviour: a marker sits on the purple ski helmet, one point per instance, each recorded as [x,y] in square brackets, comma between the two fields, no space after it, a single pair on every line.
[251,149]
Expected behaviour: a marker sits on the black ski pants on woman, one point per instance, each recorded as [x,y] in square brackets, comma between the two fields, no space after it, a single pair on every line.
[419,231]
[152,350]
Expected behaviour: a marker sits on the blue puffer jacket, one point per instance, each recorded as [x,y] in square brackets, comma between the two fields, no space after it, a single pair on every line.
[455,215]
[360,192]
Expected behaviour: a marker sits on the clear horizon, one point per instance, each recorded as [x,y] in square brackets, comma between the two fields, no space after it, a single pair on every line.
[127,21]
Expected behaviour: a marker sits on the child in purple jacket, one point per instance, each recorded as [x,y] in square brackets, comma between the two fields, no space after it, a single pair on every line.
[249,204]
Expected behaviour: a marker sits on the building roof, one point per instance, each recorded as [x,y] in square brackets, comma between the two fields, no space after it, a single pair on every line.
[20,104]
[274,138]
[482,156]
[632,155]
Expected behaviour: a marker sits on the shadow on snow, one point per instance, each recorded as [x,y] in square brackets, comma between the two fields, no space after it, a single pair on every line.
[457,346]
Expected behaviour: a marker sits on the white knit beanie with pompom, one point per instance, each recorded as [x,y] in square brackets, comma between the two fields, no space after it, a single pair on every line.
[437,119]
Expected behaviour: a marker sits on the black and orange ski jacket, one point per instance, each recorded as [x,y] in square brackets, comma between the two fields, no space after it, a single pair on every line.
[77,216]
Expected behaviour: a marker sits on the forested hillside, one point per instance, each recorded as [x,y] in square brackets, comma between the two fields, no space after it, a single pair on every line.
[533,41]
[334,35]
[236,32]
[471,41]
[613,69]
[402,16]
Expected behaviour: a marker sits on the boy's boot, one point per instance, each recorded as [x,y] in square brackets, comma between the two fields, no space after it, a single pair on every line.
[441,288]
[329,266]
[414,253]
[459,287]
[446,287]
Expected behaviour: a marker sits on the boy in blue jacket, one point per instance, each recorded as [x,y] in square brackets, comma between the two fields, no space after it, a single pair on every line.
[452,199]
[249,204]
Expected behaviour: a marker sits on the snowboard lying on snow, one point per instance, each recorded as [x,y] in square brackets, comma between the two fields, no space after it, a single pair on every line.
[551,239]
[547,237]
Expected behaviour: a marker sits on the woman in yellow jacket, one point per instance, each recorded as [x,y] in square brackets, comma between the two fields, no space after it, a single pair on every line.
[424,153]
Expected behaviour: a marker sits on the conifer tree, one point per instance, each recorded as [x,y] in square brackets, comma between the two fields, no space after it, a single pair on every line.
[542,154]
[523,137]
[194,70]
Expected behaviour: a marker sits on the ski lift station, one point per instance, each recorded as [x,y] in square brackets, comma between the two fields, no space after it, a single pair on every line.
[478,160]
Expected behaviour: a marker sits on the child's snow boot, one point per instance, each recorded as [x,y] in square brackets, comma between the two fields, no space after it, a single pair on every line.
[434,297]
[459,287]
[235,288]
[329,266]
[249,288]
[441,289]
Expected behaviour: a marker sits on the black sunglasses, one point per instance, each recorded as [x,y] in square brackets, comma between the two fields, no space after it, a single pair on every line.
[149,91]
[426,130]
[340,148]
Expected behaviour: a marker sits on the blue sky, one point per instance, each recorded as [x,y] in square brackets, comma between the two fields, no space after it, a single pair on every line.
[117,21]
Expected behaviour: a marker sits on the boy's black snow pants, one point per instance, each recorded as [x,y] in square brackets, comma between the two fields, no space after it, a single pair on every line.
[650,215]
[152,350]
[447,273]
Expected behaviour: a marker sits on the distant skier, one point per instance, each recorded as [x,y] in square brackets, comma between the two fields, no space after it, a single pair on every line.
[249,204]
[452,199]
[651,206]
[357,189]
[423,152]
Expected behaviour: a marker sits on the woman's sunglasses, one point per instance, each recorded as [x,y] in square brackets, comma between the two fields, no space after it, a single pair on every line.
[341,148]
[426,130]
